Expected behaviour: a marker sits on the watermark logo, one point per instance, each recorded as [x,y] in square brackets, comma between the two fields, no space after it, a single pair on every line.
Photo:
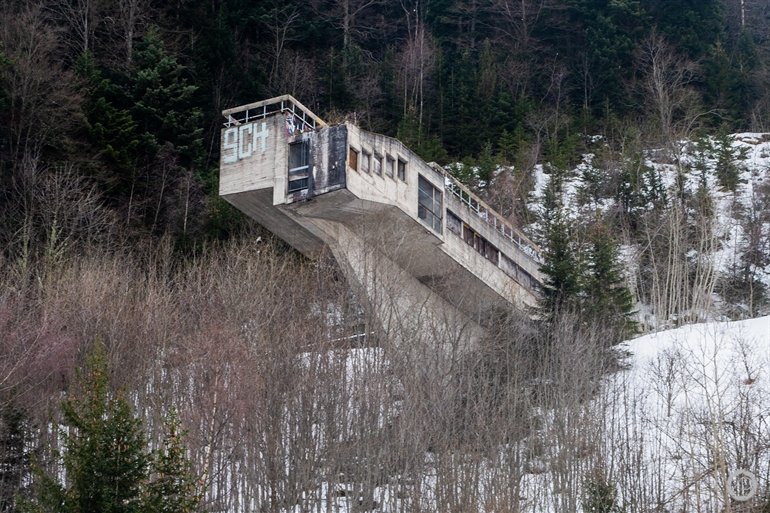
[741,485]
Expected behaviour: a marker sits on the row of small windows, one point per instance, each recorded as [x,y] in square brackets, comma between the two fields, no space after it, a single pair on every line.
[429,202]
[373,163]
[472,238]
[488,250]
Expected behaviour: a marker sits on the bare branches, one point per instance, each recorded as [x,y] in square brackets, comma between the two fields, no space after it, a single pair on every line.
[42,101]
[667,78]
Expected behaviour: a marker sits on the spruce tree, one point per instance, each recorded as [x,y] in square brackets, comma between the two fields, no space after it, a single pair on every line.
[107,466]
[607,300]
[411,133]
[15,455]
[726,160]
[173,489]
[111,130]
[163,101]
[600,496]
[561,266]
[104,458]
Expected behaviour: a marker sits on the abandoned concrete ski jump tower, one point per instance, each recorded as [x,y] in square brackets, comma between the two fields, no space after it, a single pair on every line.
[431,259]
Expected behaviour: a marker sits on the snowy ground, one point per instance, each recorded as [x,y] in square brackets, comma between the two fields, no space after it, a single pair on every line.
[693,408]
[734,209]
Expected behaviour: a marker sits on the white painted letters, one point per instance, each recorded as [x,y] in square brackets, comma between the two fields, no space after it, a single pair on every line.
[262,134]
[242,154]
[241,142]
[230,143]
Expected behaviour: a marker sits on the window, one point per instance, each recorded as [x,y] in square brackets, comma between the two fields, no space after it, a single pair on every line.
[401,170]
[513,270]
[298,166]
[389,165]
[353,159]
[378,165]
[429,204]
[366,160]
[478,242]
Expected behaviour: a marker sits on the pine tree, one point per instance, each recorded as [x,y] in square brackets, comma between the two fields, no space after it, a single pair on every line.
[561,269]
[727,157]
[411,133]
[111,129]
[15,455]
[163,101]
[173,489]
[104,458]
[487,164]
[599,496]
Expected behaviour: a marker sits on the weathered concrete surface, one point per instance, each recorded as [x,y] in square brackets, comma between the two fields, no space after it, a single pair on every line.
[417,279]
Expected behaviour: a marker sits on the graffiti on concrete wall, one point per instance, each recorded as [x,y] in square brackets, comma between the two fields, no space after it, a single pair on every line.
[240,142]
[294,125]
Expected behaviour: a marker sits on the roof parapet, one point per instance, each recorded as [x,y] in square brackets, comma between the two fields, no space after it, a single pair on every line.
[303,117]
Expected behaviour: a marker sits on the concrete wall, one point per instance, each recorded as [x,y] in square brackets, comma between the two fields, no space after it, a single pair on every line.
[340,200]
[404,195]
[249,156]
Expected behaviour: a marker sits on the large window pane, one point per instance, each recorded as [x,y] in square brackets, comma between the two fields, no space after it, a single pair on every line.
[298,165]
[429,204]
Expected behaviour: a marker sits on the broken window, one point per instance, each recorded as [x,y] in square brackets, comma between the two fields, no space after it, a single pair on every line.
[298,165]
[389,165]
[468,234]
[366,159]
[401,170]
[378,165]
[453,223]
[353,159]
[429,207]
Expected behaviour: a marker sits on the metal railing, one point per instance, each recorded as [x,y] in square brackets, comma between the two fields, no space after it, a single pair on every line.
[303,118]
[482,210]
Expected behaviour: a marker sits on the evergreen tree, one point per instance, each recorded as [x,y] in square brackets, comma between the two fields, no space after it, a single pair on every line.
[607,300]
[727,157]
[411,133]
[107,467]
[561,267]
[163,105]
[105,459]
[15,457]
[111,129]
[691,26]
[608,30]
[173,489]
[487,164]
[599,496]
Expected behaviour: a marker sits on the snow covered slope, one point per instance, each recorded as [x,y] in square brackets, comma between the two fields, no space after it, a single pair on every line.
[667,433]
[724,240]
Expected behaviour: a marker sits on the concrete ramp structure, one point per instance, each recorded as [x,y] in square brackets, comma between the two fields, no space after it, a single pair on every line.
[430,258]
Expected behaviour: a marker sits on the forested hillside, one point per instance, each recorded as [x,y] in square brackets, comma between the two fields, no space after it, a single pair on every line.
[628,138]
[125,96]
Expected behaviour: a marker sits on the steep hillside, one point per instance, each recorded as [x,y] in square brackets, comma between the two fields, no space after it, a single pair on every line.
[693,222]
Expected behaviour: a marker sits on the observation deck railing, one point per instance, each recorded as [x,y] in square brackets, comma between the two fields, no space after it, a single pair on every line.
[303,118]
